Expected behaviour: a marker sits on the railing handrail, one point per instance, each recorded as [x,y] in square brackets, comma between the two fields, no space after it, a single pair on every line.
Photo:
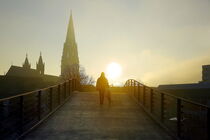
[30,92]
[191,118]
[26,111]
[168,94]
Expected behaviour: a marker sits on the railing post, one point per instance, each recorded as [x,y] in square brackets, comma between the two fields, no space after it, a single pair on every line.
[151,100]
[51,100]
[162,107]
[126,86]
[138,92]
[179,118]
[21,113]
[76,84]
[39,105]
[59,94]
[134,89]
[69,92]
[208,123]
[64,90]
[143,94]
[72,84]
[130,87]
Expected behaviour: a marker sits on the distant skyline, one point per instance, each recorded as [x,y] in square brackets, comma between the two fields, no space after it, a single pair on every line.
[156,41]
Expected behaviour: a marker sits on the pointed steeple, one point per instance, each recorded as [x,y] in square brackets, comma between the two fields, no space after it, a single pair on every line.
[26,63]
[40,65]
[40,59]
[70,37]
[70,58]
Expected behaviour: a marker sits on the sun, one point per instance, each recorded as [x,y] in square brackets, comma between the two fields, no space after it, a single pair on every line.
[113,70]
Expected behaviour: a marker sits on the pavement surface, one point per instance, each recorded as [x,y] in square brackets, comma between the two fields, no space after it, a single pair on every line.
[82,118]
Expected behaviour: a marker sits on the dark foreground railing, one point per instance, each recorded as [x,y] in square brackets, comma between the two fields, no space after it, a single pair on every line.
[20,114]
[182,118]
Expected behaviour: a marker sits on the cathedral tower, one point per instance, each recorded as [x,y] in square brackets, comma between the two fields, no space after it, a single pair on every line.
[26,64]
[40,65]
[70,59]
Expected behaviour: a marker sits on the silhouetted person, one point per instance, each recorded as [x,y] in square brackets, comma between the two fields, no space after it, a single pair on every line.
[102,86]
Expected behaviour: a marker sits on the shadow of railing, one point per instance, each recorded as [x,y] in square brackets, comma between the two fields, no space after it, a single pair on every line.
[20,114]
[182,118]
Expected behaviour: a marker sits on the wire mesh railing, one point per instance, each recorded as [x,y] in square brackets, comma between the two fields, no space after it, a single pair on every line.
[182,118]
[20,114]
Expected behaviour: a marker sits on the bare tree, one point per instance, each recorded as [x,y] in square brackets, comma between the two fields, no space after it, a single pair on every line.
[84,78]
[71,72]
[78,72]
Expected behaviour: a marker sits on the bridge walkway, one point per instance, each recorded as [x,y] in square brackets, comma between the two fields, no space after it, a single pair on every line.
[83,118]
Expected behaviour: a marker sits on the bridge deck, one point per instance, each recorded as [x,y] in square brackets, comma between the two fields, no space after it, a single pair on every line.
[83,118]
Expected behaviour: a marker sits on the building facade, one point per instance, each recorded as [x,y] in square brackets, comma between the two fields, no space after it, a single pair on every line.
[206,73]
[198,92]
[22,79]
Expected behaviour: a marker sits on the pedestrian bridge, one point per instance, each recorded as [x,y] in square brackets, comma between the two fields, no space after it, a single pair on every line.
[83,118]
[138,112]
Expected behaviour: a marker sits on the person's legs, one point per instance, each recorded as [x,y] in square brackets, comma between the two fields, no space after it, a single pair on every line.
[109,96]
[102,96]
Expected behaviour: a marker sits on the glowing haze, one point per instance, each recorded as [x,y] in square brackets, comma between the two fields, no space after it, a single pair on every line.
[113,72]
[154,41]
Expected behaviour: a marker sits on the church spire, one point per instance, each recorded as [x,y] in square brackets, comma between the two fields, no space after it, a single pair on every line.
[26,63]
[40,65]
[70,58]
[40,59]
[70,37]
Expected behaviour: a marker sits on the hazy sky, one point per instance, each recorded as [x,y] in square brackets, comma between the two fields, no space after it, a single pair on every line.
[155,41]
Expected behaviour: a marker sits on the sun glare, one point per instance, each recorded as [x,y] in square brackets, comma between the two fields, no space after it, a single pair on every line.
[113,71]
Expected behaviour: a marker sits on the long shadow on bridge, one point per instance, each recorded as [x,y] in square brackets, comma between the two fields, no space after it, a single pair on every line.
[83,118]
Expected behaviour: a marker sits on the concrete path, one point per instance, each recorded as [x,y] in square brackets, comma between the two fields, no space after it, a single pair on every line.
[82,118]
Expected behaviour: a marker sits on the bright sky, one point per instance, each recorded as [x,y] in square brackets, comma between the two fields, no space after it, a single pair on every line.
[154,41]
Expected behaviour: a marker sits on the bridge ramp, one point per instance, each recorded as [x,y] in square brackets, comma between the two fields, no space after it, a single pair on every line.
[82,118]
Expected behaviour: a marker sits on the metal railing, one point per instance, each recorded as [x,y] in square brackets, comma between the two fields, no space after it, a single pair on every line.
[20,114]
[182,118]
